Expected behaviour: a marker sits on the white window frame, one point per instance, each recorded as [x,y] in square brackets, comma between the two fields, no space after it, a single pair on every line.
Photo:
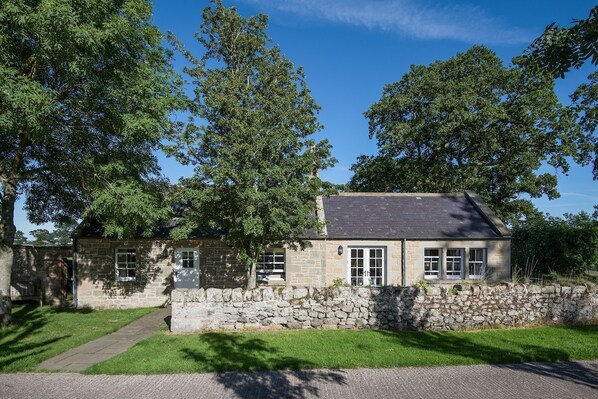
[366,277]
[483,263]
[127,263]
[449,259]
[429,258]
[278,269]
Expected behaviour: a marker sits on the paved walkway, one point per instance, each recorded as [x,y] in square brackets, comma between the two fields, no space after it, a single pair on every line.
[86,355]
[577,380]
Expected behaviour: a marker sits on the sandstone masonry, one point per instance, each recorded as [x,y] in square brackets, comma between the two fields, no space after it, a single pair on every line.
[435,308]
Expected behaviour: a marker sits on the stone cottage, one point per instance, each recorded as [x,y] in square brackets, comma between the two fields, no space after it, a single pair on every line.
[370,239]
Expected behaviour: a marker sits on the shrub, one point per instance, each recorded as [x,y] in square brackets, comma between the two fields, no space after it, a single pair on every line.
[567,246]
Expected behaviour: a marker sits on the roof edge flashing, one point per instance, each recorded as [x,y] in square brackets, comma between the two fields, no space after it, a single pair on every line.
[321,216]
[487,213]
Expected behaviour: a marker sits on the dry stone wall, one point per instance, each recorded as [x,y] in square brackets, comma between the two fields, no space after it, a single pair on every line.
[434,308]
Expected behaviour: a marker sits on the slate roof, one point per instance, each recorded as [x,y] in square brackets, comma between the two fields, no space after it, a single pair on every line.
[382,216]
[396,216]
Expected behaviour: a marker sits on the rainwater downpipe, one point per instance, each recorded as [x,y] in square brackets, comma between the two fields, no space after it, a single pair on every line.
[75,272]
[403,263]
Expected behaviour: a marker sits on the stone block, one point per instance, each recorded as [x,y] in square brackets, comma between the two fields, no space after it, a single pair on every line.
[267,294]
[579,289]
[549,289]
[214,295]
[536,289]
[237,295]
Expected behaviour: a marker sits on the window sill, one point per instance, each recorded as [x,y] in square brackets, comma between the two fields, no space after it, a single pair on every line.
[272,282]
[125,280]
[453,281]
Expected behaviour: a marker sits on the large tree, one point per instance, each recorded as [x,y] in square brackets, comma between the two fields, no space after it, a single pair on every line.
[469,123]
[256,167]
[86,90]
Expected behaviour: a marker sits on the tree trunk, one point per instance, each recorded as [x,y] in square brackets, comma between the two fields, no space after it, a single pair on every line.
[251,276]
[7,236]
[6,256]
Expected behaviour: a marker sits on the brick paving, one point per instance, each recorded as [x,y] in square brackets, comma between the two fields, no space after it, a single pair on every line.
[577,380]
[86,355]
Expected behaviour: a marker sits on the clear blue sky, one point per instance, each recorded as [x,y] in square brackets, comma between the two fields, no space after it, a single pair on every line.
[351,48]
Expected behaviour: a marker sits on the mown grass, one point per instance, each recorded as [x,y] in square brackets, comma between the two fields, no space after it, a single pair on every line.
[38,333]
[294,350]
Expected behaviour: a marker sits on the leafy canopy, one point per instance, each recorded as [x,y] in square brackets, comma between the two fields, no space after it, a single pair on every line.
[86,89]
[469,123]
[560,49]
[585,104]
[61,235]
[255,164]
[556,52]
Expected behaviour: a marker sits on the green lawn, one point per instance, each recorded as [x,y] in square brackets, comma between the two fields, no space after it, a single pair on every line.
[38,333]
[167,353]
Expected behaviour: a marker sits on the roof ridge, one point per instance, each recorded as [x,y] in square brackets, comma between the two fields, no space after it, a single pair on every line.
[381,194]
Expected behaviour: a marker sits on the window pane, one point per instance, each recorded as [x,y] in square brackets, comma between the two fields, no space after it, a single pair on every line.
[432,263]
[271,264]
[476,262]
[125,263]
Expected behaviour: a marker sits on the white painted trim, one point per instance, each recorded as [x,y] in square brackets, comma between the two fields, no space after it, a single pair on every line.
[366,264]
[116,274]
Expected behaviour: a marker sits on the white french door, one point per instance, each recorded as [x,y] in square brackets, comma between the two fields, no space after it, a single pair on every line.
[366,266]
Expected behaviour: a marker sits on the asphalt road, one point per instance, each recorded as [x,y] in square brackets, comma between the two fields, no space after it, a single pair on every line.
[571,380]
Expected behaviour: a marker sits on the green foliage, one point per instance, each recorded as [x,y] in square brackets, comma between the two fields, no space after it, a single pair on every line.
[555,53]
[566,246]
[256,168]
[560,49]
[423,284]
[469,123]
[60,236]
[20,237]
[338,282]
[86,90]
[585,103]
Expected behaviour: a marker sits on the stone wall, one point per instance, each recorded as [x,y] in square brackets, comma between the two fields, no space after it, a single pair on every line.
[435,308]
[40,272]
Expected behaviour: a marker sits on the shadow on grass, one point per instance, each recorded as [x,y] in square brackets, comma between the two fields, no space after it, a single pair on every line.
[231,352]
[516,355]
[26,321]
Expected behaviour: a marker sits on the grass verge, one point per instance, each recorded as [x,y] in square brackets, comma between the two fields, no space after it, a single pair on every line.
[38,333]
[294,350]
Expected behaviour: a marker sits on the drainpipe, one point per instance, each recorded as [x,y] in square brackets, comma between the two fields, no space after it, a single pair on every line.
[403,263]
[75,272]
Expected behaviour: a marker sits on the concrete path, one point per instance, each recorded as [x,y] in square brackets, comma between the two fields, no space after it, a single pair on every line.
[86,355]
[577,380]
